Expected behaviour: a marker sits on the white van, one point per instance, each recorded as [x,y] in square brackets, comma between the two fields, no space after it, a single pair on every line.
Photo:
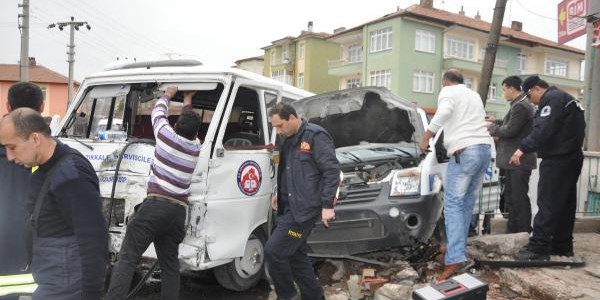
[232,184]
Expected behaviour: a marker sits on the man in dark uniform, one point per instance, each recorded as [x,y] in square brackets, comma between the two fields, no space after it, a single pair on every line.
[14,182]
[509,132]
[557,137]
[308,178]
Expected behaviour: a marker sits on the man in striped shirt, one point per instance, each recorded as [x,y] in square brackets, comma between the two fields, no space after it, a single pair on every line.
[161,217]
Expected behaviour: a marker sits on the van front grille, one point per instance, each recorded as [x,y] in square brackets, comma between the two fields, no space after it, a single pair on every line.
[359,194]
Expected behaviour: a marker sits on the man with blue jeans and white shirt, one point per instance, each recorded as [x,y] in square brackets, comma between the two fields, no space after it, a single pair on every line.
[461,114]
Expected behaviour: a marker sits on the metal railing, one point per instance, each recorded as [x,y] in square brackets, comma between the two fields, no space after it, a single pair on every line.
[343,62]
[588,186]
[588,190]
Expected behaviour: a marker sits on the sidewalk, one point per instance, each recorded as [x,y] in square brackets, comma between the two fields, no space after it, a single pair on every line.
[562,283]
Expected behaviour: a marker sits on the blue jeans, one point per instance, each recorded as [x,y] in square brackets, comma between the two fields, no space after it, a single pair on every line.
[463,182]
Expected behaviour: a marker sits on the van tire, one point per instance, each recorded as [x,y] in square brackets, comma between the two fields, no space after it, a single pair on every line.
[245,272]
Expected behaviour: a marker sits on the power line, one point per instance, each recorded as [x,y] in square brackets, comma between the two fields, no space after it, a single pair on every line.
[112,50]
[534,13]
[73,26]
[106,43]
[40,33]
[117,26]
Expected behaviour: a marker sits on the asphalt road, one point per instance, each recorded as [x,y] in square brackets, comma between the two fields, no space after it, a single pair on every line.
[204,286]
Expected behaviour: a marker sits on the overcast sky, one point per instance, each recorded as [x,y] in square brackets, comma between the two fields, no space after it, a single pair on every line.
[217,32]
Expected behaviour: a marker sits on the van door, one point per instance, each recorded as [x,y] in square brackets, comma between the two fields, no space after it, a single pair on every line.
[240,171]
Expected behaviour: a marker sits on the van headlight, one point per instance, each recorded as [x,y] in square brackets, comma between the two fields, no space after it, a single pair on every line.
[406,182]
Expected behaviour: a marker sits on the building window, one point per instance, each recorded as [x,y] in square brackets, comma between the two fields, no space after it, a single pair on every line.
[273,56]
[381,78]
[425,41]
[522,60]
[468,82]
[282,76]
[353,83]
[44,90]
[355,54]
[557,67]
[285,53]
[460,48]
[301,80]
[381,39]
[301,51]
[423,82]
[492,92]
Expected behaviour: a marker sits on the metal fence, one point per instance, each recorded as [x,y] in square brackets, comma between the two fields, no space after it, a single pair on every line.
[588,189]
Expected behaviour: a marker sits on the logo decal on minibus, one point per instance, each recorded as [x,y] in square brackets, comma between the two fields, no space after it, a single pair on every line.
[249,178]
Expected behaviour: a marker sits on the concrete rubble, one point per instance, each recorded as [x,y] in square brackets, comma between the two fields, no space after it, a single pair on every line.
[345,279]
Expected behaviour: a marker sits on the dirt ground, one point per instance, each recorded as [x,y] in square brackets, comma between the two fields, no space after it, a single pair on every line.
[204,286]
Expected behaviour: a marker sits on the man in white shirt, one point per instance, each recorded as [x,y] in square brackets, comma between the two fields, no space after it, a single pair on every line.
[461,114]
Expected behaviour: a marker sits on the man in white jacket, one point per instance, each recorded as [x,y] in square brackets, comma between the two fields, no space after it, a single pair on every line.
[461,114]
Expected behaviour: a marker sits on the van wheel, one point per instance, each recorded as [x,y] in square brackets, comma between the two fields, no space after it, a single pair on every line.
[244,272]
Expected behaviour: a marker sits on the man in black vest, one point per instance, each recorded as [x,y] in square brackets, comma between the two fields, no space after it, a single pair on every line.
[308,178]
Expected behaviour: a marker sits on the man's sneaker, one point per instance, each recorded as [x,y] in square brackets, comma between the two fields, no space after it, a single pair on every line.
[528,255]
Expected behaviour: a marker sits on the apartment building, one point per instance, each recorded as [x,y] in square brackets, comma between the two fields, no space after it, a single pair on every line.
[302,61]
[408,51]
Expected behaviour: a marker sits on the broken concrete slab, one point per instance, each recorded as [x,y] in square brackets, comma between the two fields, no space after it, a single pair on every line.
[391,291]
[593,270]
[560,283]
[503,244]
[406,274]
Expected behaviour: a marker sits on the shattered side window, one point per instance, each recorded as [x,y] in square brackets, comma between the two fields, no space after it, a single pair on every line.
[102,109]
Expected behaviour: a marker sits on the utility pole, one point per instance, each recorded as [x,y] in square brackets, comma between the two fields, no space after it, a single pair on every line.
[490,50]
[71,48]
[592,73]
[24,27]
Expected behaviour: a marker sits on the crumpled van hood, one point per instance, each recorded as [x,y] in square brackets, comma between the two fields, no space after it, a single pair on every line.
[368,114]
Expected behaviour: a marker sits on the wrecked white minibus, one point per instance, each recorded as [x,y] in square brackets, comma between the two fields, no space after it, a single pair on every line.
[229,206]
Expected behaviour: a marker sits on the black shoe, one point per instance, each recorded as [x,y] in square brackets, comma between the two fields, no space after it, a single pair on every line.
[528,255]
[562,253]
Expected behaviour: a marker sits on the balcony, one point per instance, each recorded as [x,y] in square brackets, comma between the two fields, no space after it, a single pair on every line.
[343,67]
[285,63]
[287,79]
[562,81]
[474,66]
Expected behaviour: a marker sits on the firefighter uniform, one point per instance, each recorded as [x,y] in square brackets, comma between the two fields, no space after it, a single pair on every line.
[557,137]
[308,178]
